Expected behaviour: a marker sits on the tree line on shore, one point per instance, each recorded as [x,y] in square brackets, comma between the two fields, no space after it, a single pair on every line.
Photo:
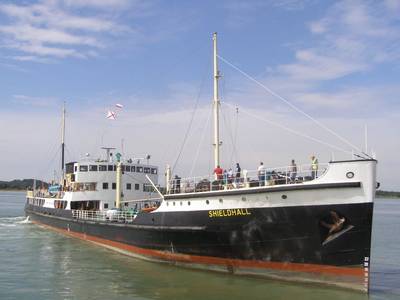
[18,184]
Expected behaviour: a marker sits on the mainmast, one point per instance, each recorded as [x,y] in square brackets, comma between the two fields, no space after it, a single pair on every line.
[62,140]
[216,105]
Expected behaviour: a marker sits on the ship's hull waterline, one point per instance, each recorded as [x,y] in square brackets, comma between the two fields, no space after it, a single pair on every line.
[289,243]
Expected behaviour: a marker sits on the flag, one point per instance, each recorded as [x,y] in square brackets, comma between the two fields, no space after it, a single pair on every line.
[119,105]
[111,115]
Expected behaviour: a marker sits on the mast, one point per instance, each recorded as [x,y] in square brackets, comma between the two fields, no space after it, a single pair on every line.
[63,140]
[216,105]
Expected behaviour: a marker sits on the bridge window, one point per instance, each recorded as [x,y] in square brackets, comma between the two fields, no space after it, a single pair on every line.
[139,169]
[153,171]
[147,170]
[105,185]
[133,169]
[93,168]
[102,168]
[111,168]
[84,186]
[105,205]
[127,168]
[83,168]
[128,186]
[137,186]
[148,188]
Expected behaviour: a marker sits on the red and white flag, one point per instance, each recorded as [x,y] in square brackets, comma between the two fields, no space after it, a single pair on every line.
[111,115]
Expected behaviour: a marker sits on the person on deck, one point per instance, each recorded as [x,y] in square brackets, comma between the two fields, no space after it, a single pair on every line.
[230,175]
[218,172]
[261,173]
[293,171]
[238,171]
[177,184]
[314,167]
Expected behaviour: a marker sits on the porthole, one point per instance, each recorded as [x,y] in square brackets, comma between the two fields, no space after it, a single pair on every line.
[207,202]
[244,199]
[188,202]
[349,175]
[220,200]
[181,203]
[173,203]
[167,203]
[284,196]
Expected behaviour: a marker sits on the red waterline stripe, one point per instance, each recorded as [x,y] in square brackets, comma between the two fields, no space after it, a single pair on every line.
[308,268]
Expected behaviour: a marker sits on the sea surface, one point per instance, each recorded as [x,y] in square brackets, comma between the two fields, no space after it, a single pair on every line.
[39,264]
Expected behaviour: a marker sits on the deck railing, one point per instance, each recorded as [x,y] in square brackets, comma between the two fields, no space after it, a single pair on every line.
[246,179]
[107,216]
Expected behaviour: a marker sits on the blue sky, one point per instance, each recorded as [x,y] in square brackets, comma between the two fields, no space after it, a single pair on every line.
[336,60]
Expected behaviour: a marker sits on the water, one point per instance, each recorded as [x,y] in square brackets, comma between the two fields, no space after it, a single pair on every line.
[41,264]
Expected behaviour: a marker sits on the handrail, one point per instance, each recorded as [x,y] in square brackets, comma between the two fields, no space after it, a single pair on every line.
[247,179]
[106,216]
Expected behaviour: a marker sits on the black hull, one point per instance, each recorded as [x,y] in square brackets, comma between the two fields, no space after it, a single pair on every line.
[289,242]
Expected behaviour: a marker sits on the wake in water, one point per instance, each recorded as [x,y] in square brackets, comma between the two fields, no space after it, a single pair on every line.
[13,221]
[26,221]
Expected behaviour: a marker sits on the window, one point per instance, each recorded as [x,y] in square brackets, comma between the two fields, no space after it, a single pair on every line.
[137,186]
[126,203]
[128,186]
[105,185]
[105,205]
[93,168]
[127,168]
[133,169]
[114,186]
[102,168]
[83,168]
[76,168]
[147,170]
[110,168]
[148,188]
[139,169]
[153,171]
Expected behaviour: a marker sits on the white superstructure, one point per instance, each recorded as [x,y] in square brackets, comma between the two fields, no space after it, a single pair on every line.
[92,185]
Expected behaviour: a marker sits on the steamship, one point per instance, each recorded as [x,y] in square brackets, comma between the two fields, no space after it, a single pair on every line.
[298,228]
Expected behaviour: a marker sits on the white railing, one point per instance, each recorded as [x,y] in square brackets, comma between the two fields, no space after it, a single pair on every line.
[107,216]
[246,179]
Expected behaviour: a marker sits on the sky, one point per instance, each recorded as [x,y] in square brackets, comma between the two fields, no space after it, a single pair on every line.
[298,78]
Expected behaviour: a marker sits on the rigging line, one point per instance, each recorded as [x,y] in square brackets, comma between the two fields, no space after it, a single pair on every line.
[51,161]
[234,148]
[291,130]
[190,123]
[200,143]
[230,135]
[290,104]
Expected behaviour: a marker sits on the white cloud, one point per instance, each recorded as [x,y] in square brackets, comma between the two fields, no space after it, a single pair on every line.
[49,29]
[87,131]
[98,3]
[35,101]
[317,67]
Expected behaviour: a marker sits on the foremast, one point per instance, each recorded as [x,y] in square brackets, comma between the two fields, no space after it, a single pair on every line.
[216,105]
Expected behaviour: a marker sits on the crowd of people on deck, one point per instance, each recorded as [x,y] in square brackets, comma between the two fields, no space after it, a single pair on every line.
[232,177]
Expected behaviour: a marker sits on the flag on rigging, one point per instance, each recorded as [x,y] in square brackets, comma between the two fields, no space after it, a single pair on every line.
[111,115]
[119,105]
